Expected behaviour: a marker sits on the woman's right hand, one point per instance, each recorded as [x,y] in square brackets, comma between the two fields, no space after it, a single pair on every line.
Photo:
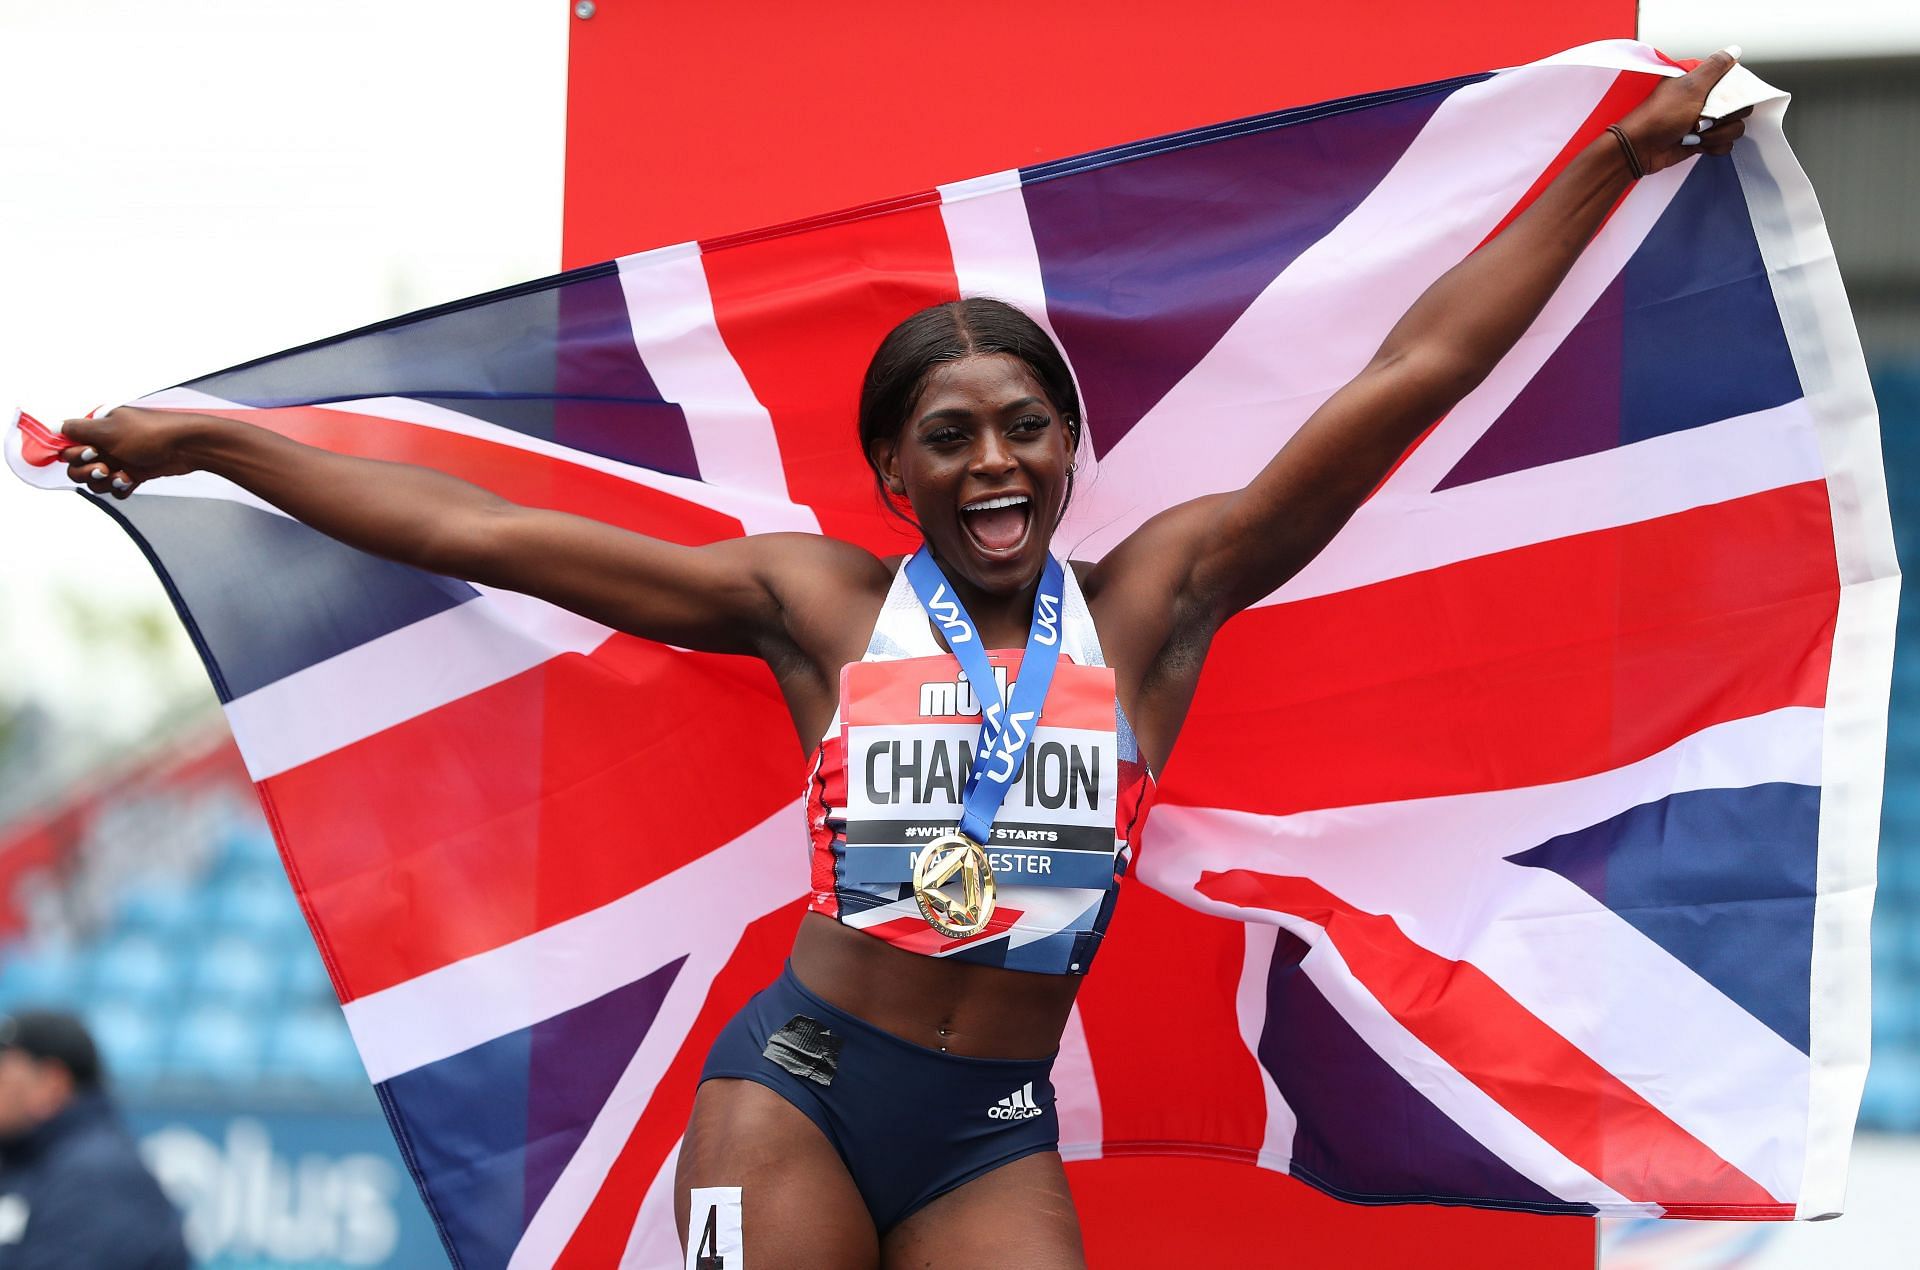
[114,453]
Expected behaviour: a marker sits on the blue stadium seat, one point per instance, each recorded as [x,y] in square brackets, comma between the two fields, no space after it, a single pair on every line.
[304,976]
[216,1043]
[1896,997]
[313,1046]
[1905,944]
[234,970]
[249,847]
[1900,872]
[137,968]
[39,974]
[258,903]
[1893,1091]
[131,1041]
[163,909]
[1899,818]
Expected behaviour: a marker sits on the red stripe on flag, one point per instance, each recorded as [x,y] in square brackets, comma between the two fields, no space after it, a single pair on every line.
[1452,1007]
[601,1237]
[1166,1004]
[530,802]
[1545,663]
[521,476]
[39,445]
[855,280]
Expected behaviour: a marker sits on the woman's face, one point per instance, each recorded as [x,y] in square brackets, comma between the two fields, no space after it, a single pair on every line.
[983,458]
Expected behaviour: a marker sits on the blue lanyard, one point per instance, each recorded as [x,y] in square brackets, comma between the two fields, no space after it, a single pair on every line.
[1005,725]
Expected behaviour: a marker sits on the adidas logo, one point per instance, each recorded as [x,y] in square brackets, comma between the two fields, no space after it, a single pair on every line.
[1017,1105]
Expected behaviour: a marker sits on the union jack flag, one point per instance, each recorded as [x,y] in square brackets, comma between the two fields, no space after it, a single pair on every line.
[1518,852]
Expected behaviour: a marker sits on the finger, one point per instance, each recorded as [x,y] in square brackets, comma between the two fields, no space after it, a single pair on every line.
[122,484]
[1713,69]
[79,454]
[1716,139]
[95,476]
[85,431]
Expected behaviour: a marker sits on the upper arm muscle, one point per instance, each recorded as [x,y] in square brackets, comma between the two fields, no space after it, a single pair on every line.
[728,596]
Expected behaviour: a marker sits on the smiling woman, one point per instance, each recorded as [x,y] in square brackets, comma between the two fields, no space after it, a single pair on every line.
[984,718]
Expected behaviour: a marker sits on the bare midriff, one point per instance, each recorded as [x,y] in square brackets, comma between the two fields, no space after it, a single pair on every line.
[979,1011]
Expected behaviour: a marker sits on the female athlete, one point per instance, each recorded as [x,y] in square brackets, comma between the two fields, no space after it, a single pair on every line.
[878,1106]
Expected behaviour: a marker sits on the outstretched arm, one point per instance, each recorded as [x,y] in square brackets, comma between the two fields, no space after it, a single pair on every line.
[723,597]
[1227,551]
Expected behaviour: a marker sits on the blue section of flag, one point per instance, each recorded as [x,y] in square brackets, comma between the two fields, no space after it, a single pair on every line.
[577,1058]
[1363,1133]
[1723,879]
[227,563]
[553,359]
[1148,262]
[1695,291]
[489,1129]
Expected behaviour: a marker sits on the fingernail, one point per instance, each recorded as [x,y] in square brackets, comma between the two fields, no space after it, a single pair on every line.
[1702,125]
[1733,51]
[1691,139]
[121,482]
[89,454]
[99,474]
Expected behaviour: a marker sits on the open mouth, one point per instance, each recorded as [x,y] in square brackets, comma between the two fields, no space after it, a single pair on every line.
[998,526]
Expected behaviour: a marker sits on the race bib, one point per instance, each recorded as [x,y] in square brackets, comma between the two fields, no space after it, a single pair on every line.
[910,729]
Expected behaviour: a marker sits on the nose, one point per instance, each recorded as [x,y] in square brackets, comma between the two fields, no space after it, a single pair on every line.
[991,456]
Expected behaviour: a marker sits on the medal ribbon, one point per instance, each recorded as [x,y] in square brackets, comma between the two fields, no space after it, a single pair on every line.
[1005,725]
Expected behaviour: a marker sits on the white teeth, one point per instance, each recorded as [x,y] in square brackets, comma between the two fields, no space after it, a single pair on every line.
[1011,500]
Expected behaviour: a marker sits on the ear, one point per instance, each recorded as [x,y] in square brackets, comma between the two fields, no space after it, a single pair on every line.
[886,461]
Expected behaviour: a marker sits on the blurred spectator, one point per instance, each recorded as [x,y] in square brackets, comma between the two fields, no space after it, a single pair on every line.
[73,1190]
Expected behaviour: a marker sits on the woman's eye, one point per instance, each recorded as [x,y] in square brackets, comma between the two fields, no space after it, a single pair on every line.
[945,436]
[1032,423]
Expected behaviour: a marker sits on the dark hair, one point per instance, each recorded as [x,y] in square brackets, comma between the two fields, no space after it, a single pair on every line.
[55,1036]
[947,333]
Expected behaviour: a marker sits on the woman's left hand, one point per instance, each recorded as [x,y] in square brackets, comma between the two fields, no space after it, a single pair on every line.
[1665,128]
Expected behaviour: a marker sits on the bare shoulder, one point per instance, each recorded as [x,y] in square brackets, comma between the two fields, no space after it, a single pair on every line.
[1146,564]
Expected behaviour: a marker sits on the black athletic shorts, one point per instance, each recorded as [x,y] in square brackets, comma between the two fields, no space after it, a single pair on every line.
[910,1123]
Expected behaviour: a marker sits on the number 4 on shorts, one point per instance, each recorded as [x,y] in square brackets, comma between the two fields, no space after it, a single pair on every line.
[713,1229]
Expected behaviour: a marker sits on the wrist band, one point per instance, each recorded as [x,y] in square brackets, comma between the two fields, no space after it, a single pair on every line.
[1626,147]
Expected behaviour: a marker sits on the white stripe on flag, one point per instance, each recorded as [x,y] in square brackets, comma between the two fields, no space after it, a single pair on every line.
[692,911]
[1826,353]
[1320,322]
[671,312]
[1250,1010]
[401,675]
[1626,485]
[1459,897]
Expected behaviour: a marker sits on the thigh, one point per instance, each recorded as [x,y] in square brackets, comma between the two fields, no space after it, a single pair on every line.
[798,1206]
[1020,1214]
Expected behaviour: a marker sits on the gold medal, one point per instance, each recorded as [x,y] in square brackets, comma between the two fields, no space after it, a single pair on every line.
[954,860]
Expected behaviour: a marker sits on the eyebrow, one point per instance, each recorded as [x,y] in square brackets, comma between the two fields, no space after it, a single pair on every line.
[961,413]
